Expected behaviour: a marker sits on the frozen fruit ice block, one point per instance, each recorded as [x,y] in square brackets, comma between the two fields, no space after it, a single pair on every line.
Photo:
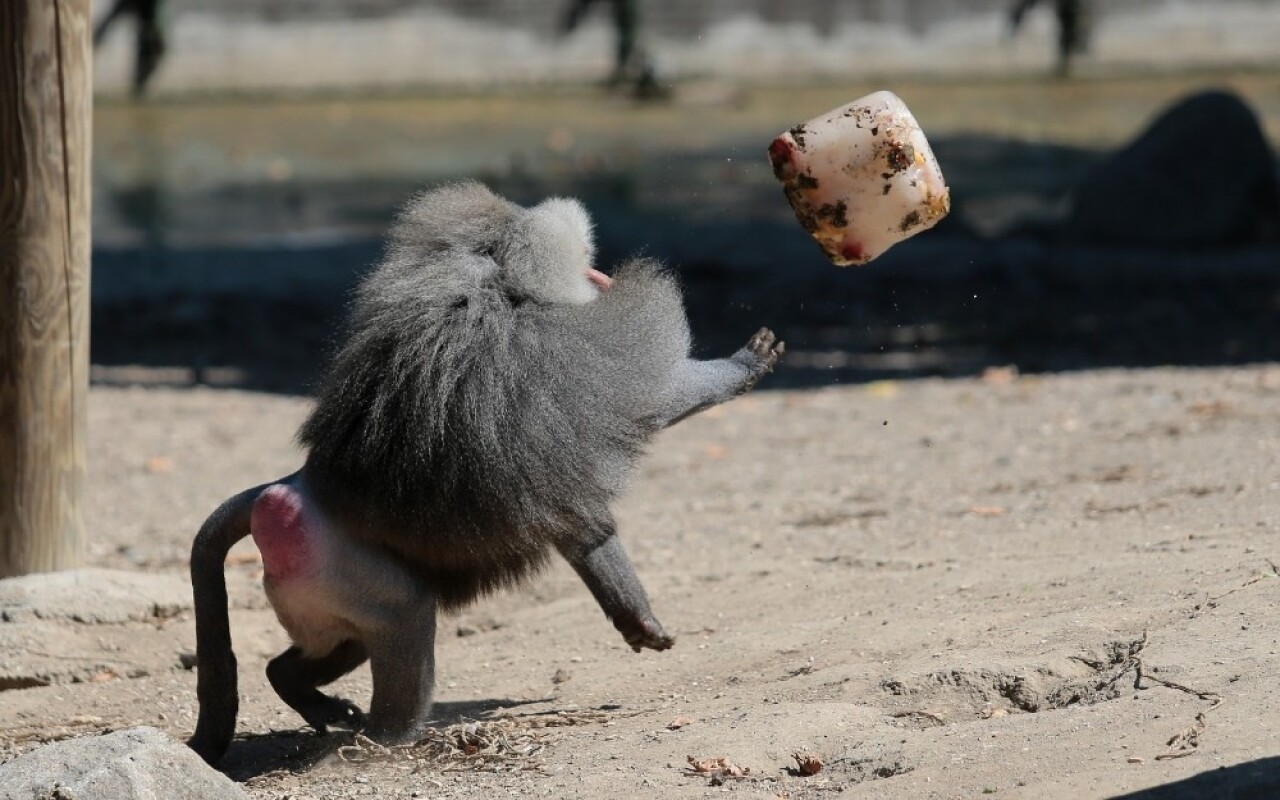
[861,178]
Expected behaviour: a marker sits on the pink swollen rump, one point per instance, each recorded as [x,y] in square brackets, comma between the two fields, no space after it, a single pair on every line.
[280,529]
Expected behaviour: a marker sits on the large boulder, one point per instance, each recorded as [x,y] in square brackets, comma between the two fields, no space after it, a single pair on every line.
[136,764]
[1201,176]
[94,596]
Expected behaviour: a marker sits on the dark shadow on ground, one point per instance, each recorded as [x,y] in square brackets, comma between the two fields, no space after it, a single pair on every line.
[950,302]
[1252,780]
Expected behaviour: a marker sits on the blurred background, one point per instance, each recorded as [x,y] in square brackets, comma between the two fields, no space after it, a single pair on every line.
[1112,169]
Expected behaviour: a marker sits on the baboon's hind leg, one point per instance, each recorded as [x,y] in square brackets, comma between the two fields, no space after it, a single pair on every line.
[297,678]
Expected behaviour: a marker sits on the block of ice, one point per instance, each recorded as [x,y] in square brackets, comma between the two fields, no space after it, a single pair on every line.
[861,178]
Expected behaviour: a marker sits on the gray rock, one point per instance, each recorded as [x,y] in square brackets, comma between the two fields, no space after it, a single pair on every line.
[136,764]
[93,596]
[1202,175]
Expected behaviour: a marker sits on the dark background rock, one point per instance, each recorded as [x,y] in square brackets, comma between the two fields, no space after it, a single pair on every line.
[1201,176]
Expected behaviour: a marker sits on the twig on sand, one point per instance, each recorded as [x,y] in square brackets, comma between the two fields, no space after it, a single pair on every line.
[1212,602]
[507,743]
[1187,741]
[936,719]
[491,746]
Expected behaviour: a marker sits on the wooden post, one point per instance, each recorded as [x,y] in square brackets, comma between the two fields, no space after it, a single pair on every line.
[45,122]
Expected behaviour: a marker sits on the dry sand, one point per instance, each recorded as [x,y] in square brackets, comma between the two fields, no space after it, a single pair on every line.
[942,588]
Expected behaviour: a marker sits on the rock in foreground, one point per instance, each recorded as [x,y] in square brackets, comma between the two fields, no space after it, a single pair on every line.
[135,764]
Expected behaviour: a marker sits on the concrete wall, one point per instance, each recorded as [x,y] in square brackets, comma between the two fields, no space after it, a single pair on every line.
[269,45]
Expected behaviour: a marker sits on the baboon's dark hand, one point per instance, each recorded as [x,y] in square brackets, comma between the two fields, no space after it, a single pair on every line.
[647,633]
[760,356]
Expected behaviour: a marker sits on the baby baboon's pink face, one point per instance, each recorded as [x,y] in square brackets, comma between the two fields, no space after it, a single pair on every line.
[599,280]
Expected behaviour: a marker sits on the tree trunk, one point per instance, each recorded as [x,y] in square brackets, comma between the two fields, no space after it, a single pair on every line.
[45,122]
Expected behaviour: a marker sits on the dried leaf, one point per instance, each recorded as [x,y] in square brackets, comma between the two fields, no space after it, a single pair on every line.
[715,451]
[1215,408]
[988,511]
[808,763]
[1000,376]
[157,465]
[882,389]
[715,768]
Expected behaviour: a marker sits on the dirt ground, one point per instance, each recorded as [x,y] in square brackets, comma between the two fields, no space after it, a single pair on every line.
[1049,586]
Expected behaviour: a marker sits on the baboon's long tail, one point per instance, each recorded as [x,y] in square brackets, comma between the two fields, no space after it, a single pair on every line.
[215,661]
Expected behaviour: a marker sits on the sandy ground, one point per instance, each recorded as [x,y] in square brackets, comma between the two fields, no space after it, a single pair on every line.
[942,588]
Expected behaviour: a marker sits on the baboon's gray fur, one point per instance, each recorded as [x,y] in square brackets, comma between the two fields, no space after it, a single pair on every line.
[469,424]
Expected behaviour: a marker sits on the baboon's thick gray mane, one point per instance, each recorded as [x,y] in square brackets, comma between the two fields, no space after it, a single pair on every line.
[455,402]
